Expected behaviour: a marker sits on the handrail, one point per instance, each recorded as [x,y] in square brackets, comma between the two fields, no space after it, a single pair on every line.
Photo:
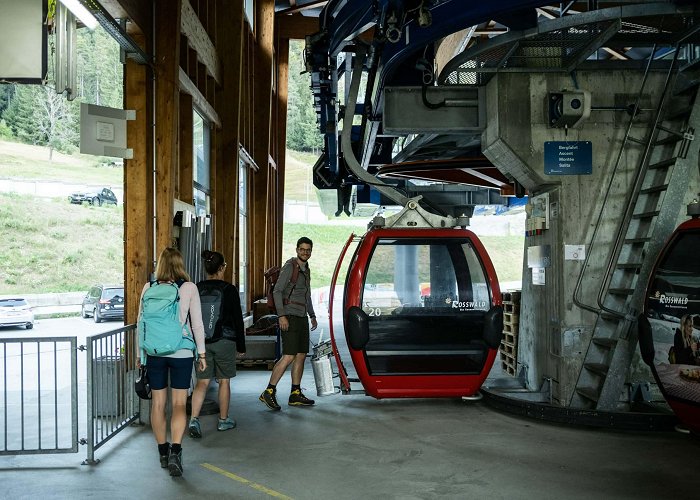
[345,383]
[625,140]
[634,193]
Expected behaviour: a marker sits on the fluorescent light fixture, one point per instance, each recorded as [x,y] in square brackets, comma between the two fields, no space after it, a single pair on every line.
[79,11]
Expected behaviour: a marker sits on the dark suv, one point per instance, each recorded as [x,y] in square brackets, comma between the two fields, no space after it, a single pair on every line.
[104,302]
[104,196]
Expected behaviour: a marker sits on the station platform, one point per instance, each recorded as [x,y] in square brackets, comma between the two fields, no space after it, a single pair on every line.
[353,446]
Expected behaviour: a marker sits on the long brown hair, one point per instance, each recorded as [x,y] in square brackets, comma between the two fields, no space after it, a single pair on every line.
[171,266]
[686,320]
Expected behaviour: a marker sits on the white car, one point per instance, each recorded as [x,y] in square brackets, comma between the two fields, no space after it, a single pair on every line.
[16,312]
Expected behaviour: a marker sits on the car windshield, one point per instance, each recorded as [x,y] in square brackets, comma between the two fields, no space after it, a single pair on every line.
[110,293]
[12,302]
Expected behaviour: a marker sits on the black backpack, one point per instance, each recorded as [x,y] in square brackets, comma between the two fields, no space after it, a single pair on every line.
[211,296]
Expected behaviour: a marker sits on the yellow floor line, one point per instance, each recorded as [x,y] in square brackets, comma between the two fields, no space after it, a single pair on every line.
[243,480]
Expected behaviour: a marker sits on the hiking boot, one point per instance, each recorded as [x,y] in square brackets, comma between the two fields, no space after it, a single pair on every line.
[297,398]
[268,397]
[175,463]
[164,461]
[194,428]
[226,424]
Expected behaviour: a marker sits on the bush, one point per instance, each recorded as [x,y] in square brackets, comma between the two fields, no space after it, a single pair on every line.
[5,131]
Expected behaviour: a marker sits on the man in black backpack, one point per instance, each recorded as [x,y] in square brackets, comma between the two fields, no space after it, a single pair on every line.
[224,336]
[293,304]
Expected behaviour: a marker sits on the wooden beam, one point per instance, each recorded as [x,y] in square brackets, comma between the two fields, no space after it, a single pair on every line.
[188,86]
[202,79]
[138,188]
[295,26]
[167,70]
[230,32]
[185,172]
[197,35]
[261,223]
[138,12]
[281,138]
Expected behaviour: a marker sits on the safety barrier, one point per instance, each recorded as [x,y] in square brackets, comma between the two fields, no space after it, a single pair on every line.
[41,379]
[112,403]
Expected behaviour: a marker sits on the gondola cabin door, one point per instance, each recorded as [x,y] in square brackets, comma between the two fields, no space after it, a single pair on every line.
[422,312]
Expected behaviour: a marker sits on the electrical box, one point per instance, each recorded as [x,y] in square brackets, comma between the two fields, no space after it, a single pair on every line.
[567,109]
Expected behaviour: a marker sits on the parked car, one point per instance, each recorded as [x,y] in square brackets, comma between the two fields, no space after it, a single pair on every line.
[104,302]
[77,198]
[98,198]
[16,312]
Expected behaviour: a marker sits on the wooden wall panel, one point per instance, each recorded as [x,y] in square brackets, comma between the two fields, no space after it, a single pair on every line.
[167,58]
[280,140]
[185,174]
[262,226]
[230,32]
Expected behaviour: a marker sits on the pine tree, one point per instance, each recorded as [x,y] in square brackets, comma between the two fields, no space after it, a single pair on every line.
[303,133]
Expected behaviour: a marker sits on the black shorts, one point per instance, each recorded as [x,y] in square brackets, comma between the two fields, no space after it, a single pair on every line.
[296,339]
[179,369]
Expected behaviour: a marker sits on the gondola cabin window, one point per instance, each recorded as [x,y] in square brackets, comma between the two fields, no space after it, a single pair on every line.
[426,300]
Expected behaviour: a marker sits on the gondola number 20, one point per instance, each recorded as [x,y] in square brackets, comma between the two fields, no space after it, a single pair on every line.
[373,311]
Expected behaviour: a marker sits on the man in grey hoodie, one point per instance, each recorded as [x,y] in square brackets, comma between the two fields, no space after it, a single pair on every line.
[293,303]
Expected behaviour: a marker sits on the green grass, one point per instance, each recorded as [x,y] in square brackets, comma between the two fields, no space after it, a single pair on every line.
[24,161]
[328,243]
[297,184]
[506,252]
[49,245]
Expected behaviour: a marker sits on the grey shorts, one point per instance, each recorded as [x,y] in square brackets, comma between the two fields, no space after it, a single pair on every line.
[296,339]
[221,360]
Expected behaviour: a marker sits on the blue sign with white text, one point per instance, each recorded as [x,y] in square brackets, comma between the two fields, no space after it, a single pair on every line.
[568,157]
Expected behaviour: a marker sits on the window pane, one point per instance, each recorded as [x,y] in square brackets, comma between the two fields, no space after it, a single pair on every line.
[243,234]
[200,151]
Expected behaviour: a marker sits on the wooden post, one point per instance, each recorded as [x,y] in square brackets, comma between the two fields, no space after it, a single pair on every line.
[281,137]
[230,31]
[138,187]
[167,68]
[185,172]
[261,224]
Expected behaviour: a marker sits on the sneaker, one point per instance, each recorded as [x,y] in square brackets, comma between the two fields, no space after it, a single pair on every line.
[164,461]
[268,397]
[297,398]
[194,428]
[226,424]
[175,463]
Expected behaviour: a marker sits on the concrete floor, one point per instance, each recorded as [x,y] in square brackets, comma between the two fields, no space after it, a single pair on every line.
[356,447]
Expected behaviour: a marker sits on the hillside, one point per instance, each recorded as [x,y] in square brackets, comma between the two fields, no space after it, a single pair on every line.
[49,245]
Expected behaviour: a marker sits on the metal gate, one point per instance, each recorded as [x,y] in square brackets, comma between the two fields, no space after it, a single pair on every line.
[41,379]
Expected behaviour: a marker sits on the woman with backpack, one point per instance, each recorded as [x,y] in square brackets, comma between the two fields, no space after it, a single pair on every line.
[171,278]
[225,340]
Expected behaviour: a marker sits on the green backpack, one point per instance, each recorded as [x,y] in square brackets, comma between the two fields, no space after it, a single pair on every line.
[159,327]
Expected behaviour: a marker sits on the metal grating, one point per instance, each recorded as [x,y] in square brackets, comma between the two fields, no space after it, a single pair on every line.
[552,50]
[562,44]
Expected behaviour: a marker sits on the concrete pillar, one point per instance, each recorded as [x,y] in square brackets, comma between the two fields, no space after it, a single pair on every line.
[554,332]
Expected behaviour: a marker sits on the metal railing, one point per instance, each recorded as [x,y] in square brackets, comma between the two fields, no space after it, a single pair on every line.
[41,379]
[39,395]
